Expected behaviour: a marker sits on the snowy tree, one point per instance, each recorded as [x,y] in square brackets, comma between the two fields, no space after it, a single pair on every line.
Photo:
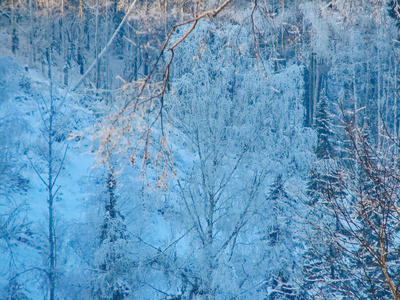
[359,221]
[324,147]
[115,267]
[282,283]
[209,113]
[52,153]
[15,229]
[224,118]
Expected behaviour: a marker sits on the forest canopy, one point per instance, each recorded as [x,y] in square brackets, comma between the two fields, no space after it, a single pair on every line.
[175,149]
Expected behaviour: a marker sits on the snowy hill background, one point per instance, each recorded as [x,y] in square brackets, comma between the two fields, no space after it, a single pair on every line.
[212,190]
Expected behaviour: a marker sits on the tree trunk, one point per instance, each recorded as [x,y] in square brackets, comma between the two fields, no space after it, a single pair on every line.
[50,185]
[96,45]
[14,31]
[31,35]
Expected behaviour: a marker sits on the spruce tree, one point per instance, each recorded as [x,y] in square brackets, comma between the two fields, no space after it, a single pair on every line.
[351,252]
[320,266]
[279,235]
[112,261]
[324,147]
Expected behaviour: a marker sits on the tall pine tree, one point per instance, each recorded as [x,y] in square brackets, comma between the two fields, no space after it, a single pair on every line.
[112,261]
[324,147]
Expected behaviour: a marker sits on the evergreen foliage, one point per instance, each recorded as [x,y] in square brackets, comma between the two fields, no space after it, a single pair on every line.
[112,260]
[324,147]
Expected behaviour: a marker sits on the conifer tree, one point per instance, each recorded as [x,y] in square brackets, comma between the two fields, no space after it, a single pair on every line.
[324,147]
[111,258]
[282,279]
[352,250]
[319,260]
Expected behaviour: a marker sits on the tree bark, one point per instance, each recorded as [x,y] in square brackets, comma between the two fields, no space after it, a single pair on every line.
[50,185]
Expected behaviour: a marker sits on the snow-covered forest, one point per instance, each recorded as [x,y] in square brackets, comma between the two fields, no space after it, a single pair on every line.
[199,149]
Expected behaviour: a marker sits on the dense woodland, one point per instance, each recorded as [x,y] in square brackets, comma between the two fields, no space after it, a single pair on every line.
[174,149]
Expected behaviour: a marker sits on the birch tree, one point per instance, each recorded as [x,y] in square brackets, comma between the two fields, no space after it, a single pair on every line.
[223,116]
[54,157]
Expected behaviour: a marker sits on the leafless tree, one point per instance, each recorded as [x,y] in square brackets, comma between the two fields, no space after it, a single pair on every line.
[54,156]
